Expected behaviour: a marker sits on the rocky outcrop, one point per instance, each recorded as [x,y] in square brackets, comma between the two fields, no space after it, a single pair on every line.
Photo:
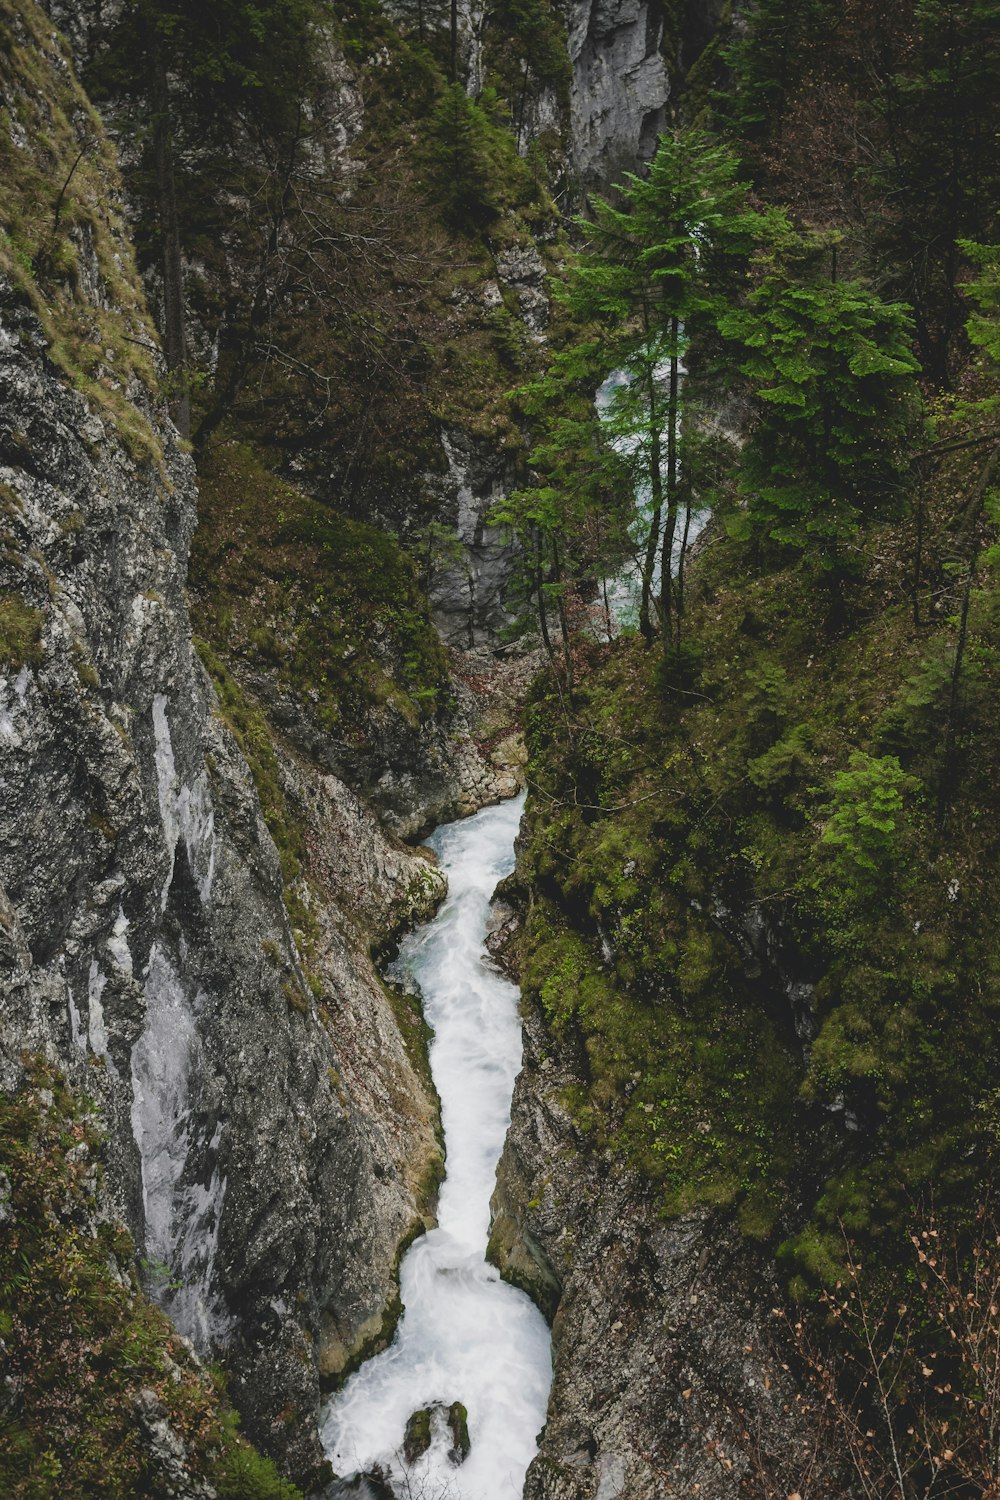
[468,588]
[270,1136]
[620,86]
[670,1373]
[266,1129]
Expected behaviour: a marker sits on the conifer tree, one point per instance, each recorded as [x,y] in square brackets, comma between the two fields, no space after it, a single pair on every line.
[656,269]
[939,170]
[837,403]
[460,157]
[572,520]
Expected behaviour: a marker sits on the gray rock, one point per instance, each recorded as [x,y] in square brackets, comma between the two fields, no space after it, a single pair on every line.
[167,1452]
[468,593]
[265,1142]
[620,86]
[668,1377]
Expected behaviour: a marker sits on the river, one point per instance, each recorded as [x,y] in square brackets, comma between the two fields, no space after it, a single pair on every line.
[464,1335]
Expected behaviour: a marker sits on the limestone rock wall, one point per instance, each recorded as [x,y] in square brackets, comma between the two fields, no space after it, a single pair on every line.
[146,947]
[620,86]
[671,1375]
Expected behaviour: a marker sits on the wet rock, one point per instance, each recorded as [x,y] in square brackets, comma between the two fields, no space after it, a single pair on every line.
[417,1438]
[664,1359]
[458,1426]
[372,1485]
[431,1421]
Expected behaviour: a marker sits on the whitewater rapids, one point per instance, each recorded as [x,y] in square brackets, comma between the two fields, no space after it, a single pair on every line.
[464,1335]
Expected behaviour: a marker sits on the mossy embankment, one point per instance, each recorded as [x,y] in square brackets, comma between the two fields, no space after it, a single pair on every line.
[760,909]
[330,607]
[101,1396]
[64,239]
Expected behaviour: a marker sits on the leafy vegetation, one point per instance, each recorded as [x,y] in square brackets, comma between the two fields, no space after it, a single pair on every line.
[783,835]
[20,632]
[831,368]
[336,289]
[331,607]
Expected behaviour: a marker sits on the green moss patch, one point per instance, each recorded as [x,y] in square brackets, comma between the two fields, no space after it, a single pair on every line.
[20,632]
[331,607]
[693,850]
[79,1342]
[63,226]
[251,732]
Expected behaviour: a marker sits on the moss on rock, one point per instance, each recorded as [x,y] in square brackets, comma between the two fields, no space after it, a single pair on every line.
[330,607]
[20,632]
[83,1354]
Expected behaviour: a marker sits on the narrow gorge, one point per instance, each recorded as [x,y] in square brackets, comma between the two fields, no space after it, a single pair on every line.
[498,700]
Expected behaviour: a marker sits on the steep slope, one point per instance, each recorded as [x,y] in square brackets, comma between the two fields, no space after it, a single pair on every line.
[754,1056]
[266,1168]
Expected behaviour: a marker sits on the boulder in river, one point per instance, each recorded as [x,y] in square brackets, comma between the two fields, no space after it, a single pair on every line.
[458,1426]
[372,1485]
[436,1420]
[417,1438]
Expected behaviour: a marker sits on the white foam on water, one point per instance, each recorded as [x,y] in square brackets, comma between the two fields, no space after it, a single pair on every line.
[464,1335]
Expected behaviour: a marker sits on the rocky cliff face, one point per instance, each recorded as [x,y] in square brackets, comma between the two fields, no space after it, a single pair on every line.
[620,86]
[270,1140]
[146,941]
[671,1376]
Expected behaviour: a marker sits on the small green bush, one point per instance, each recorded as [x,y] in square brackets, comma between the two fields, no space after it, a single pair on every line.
[20,632]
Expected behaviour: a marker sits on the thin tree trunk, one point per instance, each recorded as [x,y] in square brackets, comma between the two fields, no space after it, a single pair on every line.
[948,763]
[543,623]
[670,530]
[454,42]
[174,335]
[918,541]
[656,495]
[563,622]
[680,563]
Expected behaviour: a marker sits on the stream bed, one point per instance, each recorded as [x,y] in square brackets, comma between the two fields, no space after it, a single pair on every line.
[465,1336]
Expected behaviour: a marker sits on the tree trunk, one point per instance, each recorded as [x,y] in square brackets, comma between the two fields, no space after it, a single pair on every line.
[656,496]
[670,529]
[174,335]
[680,561]
[563,622]
[543,623]
[948,763]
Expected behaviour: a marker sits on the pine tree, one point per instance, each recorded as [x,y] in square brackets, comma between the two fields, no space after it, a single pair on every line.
[472,166]
[691,217]
[837,402]
[655,272]
[939,170]
[573,518]
[772,50]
